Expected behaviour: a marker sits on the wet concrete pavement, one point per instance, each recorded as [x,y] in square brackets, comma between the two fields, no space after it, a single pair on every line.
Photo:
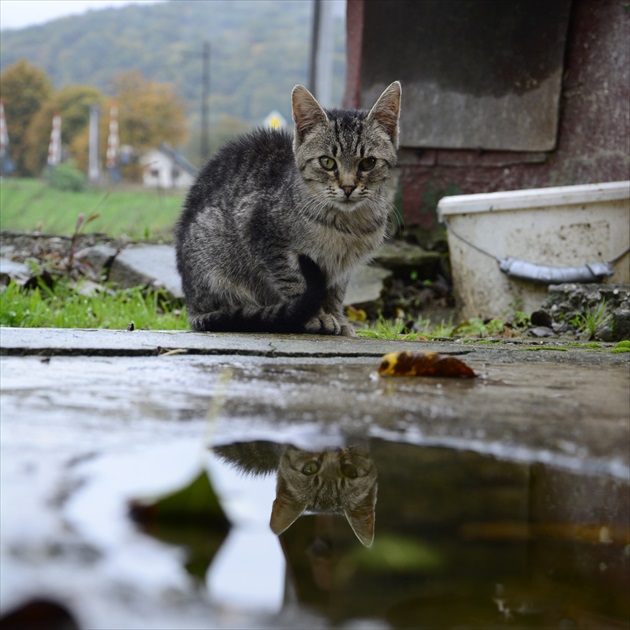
[532,399]
[91,419]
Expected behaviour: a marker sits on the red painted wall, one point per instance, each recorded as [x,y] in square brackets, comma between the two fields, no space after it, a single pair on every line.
[594,132]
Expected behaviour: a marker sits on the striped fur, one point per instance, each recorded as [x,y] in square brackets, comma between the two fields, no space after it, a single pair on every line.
[274,225]
[332,481]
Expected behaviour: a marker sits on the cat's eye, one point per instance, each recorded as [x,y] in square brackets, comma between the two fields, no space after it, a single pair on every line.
[367,164]
[310,468]
[350,471]
[327,162]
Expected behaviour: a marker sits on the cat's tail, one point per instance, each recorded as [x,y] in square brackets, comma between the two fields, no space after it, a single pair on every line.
[289,316]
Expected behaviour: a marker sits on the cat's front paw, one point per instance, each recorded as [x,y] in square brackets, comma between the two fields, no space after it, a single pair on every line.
[326,324]
[323,324]
[347,330]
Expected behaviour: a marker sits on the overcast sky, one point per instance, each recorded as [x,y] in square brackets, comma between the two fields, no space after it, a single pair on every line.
[21,13]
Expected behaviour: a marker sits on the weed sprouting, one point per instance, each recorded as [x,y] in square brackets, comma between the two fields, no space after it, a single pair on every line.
[81,221]
[592,319]
[516,316]
[384,329]
[476,327]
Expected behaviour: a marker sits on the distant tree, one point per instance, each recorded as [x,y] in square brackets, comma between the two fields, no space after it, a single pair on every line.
[149,112]
[73,103]
[24,89]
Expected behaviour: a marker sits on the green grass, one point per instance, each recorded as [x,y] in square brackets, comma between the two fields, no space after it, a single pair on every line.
[30,204]
[63,307]
[384,329]
[591,320]
[396,329]
[475,327]
[426,328]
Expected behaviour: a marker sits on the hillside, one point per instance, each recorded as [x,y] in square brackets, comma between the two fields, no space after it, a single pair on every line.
[259,51]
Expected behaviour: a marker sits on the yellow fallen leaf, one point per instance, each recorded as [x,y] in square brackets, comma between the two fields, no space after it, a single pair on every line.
[355,314]
[424,364]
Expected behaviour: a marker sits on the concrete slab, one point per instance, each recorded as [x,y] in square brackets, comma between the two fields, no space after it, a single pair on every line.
[366,285]
[98,257]
[147,264]
[60,341]
[93,418]
[10,269]
[94,342]
[406,255]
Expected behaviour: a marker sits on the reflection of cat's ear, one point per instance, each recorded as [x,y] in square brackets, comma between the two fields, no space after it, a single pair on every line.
[361,518]
[307,112]
[387,110]
[285,512]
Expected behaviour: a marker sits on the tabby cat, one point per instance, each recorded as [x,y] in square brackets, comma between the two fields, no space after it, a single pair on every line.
[329,481]
[274,225]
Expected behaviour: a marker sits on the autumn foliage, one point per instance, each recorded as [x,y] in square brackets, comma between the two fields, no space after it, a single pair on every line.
[149,113]
[23,89]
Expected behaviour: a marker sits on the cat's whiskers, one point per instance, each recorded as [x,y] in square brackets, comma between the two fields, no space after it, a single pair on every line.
[313,207]
[379,199]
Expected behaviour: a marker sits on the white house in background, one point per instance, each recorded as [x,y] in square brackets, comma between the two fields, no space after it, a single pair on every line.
[166,168]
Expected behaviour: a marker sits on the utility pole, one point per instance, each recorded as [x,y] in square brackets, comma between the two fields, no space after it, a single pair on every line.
[205,149]
[312,66]
[4,143]
[93,170]
[321,58]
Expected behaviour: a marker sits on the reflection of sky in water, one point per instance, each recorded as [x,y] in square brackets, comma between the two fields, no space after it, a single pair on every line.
[248,571]
[525,521]
[98,510]
[249,568]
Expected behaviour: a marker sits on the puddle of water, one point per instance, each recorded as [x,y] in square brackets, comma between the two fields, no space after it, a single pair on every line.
[460,540]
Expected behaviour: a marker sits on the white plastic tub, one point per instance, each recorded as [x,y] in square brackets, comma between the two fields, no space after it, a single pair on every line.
[566,226]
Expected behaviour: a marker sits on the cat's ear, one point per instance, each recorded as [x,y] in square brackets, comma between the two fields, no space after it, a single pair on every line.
[386,110]
[285,511]
[361,518]
[307,112]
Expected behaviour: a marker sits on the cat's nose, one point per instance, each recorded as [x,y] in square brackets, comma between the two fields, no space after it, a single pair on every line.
[348,190]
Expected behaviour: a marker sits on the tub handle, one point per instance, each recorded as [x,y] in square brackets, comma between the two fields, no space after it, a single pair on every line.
[545,274]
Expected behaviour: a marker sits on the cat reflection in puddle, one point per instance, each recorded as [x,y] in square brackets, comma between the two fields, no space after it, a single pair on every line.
[339,481]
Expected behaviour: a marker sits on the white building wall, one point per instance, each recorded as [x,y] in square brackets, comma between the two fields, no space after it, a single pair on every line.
[160,172]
